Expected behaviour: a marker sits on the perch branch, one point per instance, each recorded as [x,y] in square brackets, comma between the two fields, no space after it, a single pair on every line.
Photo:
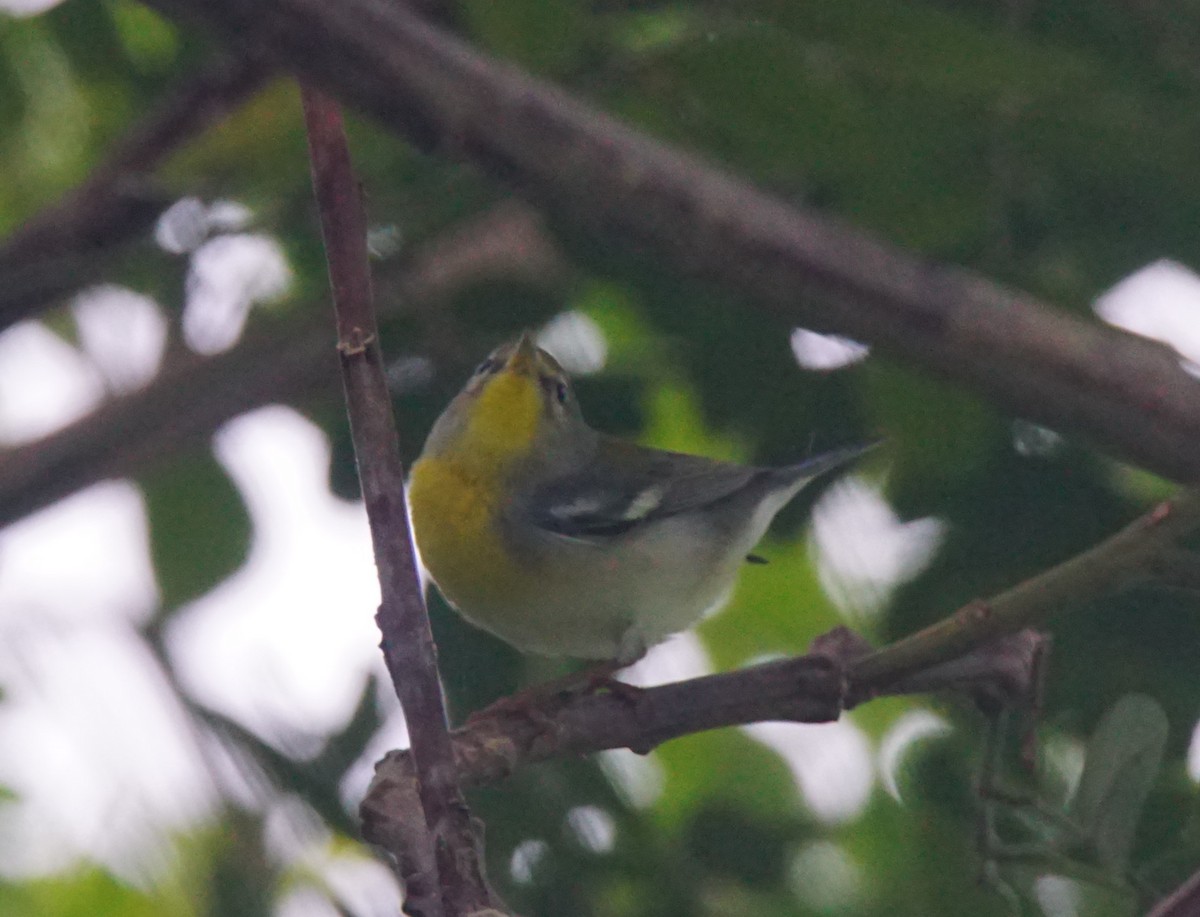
[987,646]
[407,644]
[803,689]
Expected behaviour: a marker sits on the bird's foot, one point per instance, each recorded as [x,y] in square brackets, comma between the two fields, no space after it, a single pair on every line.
[542,700]
[621,690]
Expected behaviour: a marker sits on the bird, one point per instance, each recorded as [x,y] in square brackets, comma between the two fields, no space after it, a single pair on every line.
[565,541]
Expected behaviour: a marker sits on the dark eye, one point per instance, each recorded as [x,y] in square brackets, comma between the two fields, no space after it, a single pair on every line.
[556,387]
[490,365]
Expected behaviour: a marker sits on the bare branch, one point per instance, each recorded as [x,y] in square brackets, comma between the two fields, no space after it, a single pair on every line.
[178,412]
[190,399]
[804,689]
[1133,555]
[56,251]
[1183,902]
[986,649]
[1126,393]
[407,645]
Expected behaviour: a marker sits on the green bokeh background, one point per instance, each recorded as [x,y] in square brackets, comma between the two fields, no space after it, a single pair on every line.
[1051,145]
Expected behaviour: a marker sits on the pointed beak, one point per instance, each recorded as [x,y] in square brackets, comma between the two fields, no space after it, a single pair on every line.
[523,360]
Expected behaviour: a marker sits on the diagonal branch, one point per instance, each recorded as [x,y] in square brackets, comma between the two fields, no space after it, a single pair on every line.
[987,648]
[1139,552]
[1127,394]
[1182,902]
[56,250]
[193,396]
[408,647]
[177,412]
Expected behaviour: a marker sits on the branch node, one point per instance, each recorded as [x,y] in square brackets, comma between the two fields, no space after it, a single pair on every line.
[976,610]
[1160,513]
[355,343]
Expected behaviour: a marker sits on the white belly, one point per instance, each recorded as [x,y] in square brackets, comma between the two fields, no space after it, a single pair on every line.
[616,601]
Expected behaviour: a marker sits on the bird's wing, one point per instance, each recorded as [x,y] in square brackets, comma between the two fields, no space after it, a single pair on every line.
[626,485]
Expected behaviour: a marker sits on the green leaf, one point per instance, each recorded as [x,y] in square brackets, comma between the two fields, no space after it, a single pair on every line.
[1123,758]
[90,893]
[199,527]
[149,40]
[724,766]
[777,607]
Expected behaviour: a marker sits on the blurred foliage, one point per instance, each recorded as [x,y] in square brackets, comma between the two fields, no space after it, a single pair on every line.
[1050,144]
[199,529]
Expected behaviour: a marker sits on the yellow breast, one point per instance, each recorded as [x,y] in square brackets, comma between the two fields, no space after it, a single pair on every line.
[455,516]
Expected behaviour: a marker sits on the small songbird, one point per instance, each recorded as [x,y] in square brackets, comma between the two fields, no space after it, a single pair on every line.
[565,541]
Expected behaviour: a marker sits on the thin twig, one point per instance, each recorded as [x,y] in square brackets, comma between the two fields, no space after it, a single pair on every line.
[53,252]
[1133,554]
[408,647]
[1126,393]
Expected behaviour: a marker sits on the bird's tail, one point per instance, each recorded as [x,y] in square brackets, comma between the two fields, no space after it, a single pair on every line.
[802,472]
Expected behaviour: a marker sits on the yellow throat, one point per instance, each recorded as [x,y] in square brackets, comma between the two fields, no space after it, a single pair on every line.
[454,492]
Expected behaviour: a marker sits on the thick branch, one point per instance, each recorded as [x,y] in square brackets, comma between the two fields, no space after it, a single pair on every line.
[189,400]
[408,647]
[1126,393]
[56,250]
